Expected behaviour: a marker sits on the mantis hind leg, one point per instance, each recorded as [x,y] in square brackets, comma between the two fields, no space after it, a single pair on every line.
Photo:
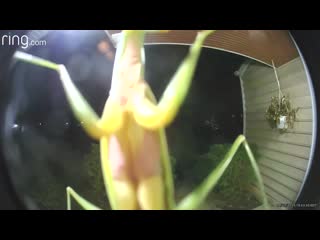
[196,198]
[85,204]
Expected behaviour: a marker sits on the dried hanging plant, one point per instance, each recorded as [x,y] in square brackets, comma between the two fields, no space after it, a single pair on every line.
[280,114]
[278,109]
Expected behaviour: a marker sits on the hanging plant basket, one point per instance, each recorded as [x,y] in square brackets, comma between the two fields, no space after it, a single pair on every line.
[280,115]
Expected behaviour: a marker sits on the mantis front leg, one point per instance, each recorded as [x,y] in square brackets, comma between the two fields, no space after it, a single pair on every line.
[153,116]
[95,127]
[196,198]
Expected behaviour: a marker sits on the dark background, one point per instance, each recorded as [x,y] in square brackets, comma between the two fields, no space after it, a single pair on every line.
[308,43]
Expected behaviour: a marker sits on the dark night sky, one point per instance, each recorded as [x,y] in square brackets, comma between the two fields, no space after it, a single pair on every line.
[212,112]
[40,127]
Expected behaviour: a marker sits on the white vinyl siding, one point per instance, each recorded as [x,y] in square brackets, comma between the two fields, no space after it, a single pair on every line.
[283,158]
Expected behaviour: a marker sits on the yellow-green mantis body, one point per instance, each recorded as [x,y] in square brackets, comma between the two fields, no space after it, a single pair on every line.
[134,153]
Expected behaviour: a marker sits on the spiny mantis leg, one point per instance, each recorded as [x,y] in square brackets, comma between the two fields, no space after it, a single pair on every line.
[152,116]
[80,107]
[196,198]
[85,204]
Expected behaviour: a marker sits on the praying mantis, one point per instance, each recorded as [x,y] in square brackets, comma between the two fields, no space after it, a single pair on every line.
[133,146]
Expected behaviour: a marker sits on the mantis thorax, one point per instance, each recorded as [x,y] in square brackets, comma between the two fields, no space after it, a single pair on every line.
[127,81]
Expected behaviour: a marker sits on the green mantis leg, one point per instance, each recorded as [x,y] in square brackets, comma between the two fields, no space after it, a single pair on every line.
[80,200]
[152,116]
[196,198]
[80,107]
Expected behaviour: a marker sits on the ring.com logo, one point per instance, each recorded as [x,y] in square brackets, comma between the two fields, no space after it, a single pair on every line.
[21,41]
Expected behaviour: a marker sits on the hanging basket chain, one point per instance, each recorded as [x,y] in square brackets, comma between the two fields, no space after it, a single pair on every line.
[278,82]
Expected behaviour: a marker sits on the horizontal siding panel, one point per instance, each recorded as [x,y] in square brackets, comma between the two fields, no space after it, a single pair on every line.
[292,138]
[284,158]
[286,181]
[273,202]
[302,115]
[254,72]
[271,83]
[267,93]
[282,190]
[276,199]
[296,91]
[254,92]
[292,172]
[294,78]
[291,67]
[295,150]
[255,80]
[301,102]
[286,76]
[299,127]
